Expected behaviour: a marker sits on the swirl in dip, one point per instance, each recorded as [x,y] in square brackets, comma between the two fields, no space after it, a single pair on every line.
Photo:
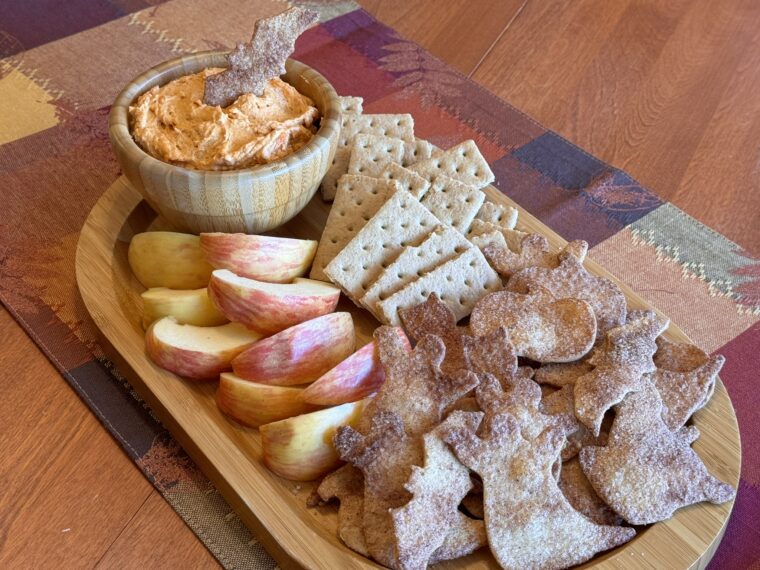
[173,124]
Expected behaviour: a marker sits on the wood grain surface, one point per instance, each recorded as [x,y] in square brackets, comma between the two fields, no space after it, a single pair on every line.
[666,89]
[70,496]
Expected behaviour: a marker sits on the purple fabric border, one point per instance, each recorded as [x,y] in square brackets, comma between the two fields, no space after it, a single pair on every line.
[25,24]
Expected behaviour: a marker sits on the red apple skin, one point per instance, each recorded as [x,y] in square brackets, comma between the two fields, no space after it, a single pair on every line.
[265,312]
[253,404]
[190,364]
[358,376]
[299,354]
[265,258]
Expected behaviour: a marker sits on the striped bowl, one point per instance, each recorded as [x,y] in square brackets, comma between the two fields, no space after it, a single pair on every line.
[249,200]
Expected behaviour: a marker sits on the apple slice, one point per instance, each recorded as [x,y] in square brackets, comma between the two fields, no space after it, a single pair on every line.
[355,378]
[254,404]
[299,354]
[301,448]
[169,259]
[270,307]
[199,353]
[188,307]
[273,259]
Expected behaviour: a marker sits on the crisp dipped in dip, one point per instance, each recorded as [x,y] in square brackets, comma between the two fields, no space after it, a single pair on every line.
[173,124]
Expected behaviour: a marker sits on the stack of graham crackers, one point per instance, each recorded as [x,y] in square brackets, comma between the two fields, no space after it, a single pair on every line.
[402,208]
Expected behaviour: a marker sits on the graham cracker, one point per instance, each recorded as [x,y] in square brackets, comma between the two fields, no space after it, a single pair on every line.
[512,238]
[356,201]
[338,168]
[416,151]
[413,183]
[452,202]
[441,245]
[462,162]
[501,215]
[396,126]
[401,221]
[351,104]
[494,237]
[370,154]
[352,124]
[459,283]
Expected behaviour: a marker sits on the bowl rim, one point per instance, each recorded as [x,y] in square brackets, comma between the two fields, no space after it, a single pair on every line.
[121,136]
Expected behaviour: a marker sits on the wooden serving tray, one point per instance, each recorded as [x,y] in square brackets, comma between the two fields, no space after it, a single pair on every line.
[275,509]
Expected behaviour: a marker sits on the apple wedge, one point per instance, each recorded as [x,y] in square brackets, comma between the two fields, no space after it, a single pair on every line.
[355,378]
[270,307]
[301,448]
[300,353]
[265,258]
[169,259]
[198,353]
[188,307]
[253,404]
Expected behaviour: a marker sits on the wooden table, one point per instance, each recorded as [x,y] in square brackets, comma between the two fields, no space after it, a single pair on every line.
[665,89]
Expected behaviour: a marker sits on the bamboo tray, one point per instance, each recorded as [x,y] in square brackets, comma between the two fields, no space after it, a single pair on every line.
[275,509]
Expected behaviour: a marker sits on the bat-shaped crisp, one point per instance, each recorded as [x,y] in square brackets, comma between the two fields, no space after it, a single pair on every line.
[261,59]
